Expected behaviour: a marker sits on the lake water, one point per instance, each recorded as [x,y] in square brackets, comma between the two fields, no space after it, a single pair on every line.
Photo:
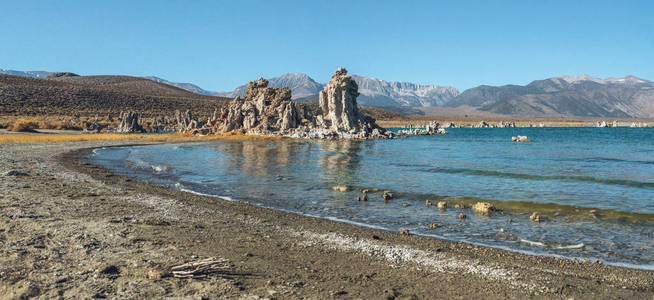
[594,187]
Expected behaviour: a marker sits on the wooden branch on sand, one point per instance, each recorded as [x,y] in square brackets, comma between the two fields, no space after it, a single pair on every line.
[196,269]
[200,268]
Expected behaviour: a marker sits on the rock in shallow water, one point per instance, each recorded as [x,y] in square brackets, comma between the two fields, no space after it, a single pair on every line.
[483,208]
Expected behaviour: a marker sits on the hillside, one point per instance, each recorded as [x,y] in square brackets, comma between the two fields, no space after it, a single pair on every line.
[583,96]
[88,95]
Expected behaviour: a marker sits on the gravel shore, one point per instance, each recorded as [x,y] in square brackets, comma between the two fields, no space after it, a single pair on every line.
[74,230]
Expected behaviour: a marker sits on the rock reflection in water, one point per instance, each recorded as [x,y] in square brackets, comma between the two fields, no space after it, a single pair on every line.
[340,161]
[263,157]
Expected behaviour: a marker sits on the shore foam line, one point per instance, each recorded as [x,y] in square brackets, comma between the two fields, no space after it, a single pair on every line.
[649,267]
[400,255]
[207,195]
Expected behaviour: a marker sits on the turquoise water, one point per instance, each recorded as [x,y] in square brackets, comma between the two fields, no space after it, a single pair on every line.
[594,187]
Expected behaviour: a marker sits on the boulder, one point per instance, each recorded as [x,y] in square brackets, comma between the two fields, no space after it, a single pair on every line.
[442,205]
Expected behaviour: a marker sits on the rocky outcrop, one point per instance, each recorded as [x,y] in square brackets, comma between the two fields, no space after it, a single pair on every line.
[263,110]
[185,122]
[338,102]
[340,112]
[429,129]
[266,110]
[129,122]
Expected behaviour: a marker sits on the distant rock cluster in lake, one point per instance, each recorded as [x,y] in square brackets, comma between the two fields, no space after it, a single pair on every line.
[265,110]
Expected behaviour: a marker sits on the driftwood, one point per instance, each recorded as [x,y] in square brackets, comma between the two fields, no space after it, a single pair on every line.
[200,268]
[196,269]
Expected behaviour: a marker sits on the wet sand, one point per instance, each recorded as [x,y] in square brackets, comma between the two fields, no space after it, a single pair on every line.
[74,230]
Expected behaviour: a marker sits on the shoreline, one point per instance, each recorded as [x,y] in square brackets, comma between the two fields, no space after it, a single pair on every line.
[314,257]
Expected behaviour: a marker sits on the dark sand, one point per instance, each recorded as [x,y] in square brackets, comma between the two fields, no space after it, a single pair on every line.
[66,222]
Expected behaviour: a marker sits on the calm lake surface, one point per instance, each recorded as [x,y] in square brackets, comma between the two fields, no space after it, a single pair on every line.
[594,187]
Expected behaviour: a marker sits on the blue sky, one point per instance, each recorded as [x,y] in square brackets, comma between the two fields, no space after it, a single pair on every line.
[222,44]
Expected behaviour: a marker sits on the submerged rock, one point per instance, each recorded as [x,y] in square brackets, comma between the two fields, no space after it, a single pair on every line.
[520,139]
[340,188]
[483,208]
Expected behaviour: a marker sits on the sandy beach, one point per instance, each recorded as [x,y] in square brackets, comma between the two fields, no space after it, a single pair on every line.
[73,230]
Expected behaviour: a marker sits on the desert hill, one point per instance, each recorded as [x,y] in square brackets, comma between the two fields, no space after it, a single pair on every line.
[109,94]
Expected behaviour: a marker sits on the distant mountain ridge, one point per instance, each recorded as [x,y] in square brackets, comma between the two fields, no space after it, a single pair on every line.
[583,95]
[185,86]
[31,74]
[374,92]
[565,96]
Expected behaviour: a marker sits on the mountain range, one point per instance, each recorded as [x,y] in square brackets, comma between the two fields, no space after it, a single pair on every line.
[31,74]
[374,92]
[583,96]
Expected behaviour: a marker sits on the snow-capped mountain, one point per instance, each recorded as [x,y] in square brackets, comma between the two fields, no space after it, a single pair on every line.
[32,74]
[374,92]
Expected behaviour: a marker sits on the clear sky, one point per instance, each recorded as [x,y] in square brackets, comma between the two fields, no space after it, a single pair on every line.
[222,44]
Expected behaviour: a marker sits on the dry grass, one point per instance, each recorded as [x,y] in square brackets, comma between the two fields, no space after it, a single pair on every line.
[24,125]
[155,138]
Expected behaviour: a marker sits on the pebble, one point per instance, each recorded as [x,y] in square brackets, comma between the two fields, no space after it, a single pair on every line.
[15,173]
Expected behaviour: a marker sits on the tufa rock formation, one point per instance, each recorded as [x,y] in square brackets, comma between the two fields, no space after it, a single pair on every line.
[338,102]
[263,110]
[129,122]
[340,112]
[269,111]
